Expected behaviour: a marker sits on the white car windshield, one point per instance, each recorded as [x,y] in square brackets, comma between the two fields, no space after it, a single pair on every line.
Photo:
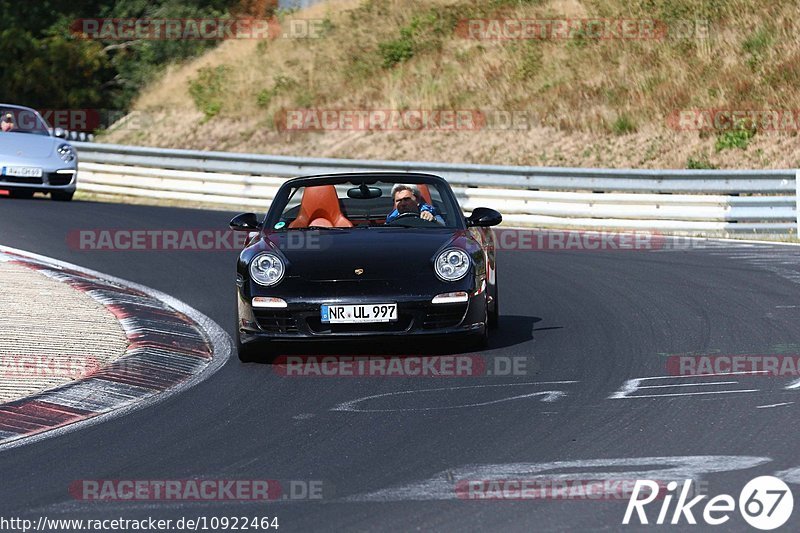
[17,120]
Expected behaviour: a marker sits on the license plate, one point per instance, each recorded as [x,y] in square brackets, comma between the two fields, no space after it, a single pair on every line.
[23,172]
[354,314]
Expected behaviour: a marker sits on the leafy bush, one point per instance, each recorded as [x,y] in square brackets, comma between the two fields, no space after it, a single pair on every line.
[265,96]
[739,137]
[424,33]
[206,89]
[398,50]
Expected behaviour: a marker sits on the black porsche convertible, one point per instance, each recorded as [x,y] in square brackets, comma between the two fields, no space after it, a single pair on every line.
[357,255]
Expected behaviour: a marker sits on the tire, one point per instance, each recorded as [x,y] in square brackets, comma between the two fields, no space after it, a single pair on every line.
[478,342]
[253,351]
[494,312]
[62,196]
[246,352]
[21,194]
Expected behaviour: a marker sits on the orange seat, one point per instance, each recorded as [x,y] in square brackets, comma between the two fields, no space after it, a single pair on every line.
[320,207]
[425,193]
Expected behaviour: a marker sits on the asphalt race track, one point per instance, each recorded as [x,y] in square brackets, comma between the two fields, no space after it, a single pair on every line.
[585,322]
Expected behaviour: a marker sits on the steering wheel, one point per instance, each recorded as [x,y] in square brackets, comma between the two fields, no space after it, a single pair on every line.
[411,220]
[406,215]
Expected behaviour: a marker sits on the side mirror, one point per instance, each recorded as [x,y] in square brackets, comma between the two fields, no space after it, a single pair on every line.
[484,217]
[245,222]
[60,133]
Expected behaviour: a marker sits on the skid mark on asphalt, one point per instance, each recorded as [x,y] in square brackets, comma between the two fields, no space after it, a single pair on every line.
[547,396]
[773,405]
[793,385]
[781,260]
[632,386]
[455,483]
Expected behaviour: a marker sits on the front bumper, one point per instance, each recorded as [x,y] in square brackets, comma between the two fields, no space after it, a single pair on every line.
[416,317]
[50,181]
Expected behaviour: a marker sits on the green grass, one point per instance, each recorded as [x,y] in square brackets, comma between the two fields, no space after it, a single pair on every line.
[756,46]
[737,138]
[623,125]
[207,90]
[424,33]
[701,163]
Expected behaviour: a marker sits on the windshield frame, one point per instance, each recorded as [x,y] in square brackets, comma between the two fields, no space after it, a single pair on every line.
[282,197]
[26,116]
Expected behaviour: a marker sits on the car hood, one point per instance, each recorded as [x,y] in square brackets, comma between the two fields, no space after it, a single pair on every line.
[26,146]
[382,253]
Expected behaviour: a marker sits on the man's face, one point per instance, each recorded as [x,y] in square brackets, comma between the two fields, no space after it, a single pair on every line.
[6,125]
[405,202]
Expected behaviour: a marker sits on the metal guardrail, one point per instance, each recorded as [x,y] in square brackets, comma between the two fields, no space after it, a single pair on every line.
[710,202]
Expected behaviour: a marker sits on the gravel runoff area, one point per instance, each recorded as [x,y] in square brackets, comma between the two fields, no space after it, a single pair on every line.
[50,333]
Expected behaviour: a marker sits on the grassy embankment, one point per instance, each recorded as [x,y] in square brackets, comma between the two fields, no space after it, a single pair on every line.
[597,103]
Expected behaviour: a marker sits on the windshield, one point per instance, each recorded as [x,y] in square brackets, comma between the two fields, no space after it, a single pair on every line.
[15,120]
[378,204]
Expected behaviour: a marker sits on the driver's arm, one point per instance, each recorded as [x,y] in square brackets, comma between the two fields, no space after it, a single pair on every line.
[428,212]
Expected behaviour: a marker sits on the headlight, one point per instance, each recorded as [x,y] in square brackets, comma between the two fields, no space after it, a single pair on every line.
[66,153]
[267,269]
[452,264]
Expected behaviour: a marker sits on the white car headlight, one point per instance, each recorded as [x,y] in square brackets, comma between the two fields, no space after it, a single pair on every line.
[66,153]
[267,269]
[452,264]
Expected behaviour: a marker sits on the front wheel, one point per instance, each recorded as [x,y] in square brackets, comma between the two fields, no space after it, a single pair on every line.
[479,341]
[253,351]
[494,312]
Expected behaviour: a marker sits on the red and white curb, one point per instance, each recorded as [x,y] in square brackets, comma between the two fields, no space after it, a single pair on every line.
[171,347]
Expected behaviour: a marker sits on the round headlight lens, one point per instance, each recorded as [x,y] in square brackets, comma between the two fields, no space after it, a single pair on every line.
[452,264]
[267,269]
[66,153]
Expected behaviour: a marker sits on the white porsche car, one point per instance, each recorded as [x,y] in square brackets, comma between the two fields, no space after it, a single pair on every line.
[33,158]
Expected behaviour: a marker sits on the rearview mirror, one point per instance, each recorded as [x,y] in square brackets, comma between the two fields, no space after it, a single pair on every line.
[245,222]
[484,217]
[362,192]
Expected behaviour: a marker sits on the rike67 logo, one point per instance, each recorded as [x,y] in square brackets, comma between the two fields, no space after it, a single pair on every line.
[765,503]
